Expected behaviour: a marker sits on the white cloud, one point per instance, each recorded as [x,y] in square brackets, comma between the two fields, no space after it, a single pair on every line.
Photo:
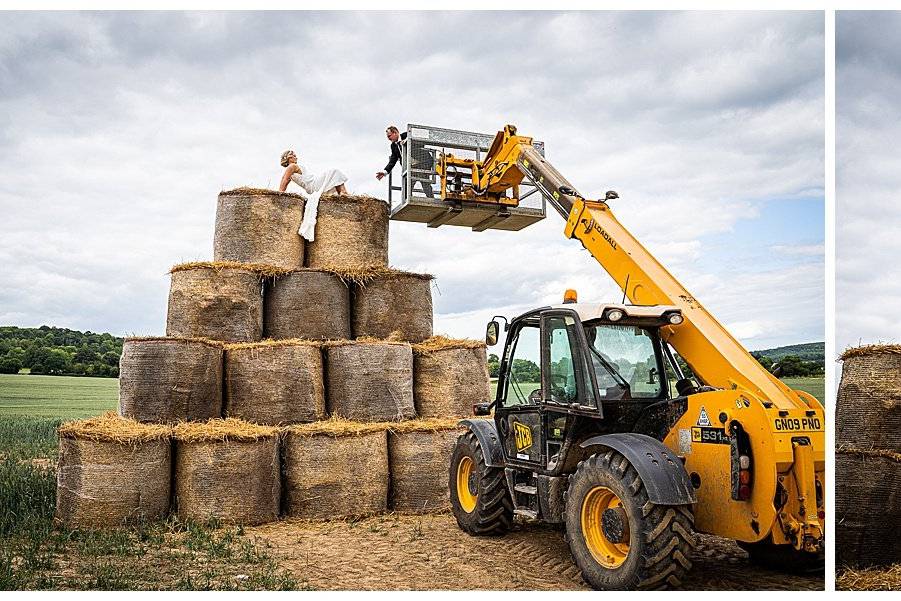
[868,178]
[118,130]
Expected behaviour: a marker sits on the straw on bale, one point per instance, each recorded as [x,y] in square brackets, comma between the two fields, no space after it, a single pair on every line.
[419,452]
[390,300]
[351,233]
[112,471]
[311,303]
[259,226]
[867,507]
[868,408]
[369,381]
[274,382]
[227,469]
[170,379]
[221,301]
[449,376]
[336,468]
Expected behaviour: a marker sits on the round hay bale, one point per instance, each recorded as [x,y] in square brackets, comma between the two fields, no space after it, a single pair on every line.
[259,226]
[867,507]
[274,382]
[449,377]
[336,472]
[112,471]
[312,304]
[227,470]
[220,301]
[351,233]
[868,406]
[369,381]
[393,301]
[420,454]
[170,379]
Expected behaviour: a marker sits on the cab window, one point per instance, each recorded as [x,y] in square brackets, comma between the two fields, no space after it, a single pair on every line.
[625,362]
[523,386]
[562,386]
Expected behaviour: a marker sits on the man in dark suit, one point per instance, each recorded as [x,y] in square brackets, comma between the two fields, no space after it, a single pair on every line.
[421,159]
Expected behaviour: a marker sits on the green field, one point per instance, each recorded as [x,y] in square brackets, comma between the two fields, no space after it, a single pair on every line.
[56,396]
[815,385]
[36,553]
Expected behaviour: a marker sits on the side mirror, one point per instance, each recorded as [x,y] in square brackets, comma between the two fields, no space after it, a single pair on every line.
[491,333]
[611,195]
[481,409]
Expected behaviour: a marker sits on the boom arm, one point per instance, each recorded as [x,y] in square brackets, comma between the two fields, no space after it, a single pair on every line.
[714,355]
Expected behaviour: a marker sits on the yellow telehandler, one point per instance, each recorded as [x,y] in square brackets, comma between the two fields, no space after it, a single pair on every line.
[644,423]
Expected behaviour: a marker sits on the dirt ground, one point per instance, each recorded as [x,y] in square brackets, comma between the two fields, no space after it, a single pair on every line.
[402,552]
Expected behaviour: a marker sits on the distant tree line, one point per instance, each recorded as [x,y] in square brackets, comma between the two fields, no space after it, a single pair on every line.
[791,366]
[59,352]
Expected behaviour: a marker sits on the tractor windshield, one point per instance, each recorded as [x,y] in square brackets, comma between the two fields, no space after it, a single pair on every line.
[625,361]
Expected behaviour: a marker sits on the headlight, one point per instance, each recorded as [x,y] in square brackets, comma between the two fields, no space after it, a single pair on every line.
[614,314]
[676,319]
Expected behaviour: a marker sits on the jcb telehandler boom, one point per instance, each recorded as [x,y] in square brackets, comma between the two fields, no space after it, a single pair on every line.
[605,443]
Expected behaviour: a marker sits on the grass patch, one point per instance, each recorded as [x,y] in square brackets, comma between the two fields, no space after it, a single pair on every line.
[815,385]
[66,397]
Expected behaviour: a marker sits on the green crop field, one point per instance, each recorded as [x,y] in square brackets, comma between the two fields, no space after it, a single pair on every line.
[56,396]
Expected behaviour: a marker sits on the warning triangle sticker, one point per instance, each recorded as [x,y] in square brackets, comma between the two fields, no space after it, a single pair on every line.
[703,418]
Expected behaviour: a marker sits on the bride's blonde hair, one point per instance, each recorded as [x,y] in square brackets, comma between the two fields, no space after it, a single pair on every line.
[286,155]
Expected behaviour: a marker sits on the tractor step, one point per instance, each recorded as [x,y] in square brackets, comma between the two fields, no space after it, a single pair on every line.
[526,513]
[526,489]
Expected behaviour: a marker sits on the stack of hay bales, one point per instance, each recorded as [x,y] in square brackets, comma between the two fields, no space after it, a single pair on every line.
[295,378]
[868,456]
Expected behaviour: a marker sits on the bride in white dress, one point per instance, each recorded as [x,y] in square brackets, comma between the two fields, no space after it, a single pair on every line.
[331,180]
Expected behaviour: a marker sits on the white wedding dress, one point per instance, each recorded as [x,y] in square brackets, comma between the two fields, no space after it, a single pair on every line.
[314,186]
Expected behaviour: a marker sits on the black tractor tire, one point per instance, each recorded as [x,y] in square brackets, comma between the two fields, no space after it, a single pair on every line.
[493,510]
[660,537]
[784,558]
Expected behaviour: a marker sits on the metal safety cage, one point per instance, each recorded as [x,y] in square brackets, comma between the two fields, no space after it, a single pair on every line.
[417,196]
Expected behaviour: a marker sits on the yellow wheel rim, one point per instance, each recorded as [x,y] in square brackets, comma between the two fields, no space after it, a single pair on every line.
[606,552]
[465,471]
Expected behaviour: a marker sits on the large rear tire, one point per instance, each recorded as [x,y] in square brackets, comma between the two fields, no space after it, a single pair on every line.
[618,538]
[479,496]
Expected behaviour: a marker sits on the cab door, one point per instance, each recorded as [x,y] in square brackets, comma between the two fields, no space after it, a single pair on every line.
[518,412]
[567,381]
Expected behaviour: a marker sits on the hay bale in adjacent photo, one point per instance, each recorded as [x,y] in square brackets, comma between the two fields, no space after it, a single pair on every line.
[219,301]
[335,469]
[419,452]
[312,304]
[369,381]
[259,226]
[449,377]
[227,470]
[170,379]
[868,406]
[351,233]
[274,382]
[389,300]
[112,471]
[867,507]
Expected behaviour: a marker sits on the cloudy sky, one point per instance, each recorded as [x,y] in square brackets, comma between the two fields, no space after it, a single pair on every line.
[117,131]
[868,178]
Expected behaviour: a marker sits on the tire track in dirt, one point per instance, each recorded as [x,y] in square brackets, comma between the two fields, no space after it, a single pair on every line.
[404,552]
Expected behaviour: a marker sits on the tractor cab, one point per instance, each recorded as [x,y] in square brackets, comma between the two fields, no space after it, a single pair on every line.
[575,370]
